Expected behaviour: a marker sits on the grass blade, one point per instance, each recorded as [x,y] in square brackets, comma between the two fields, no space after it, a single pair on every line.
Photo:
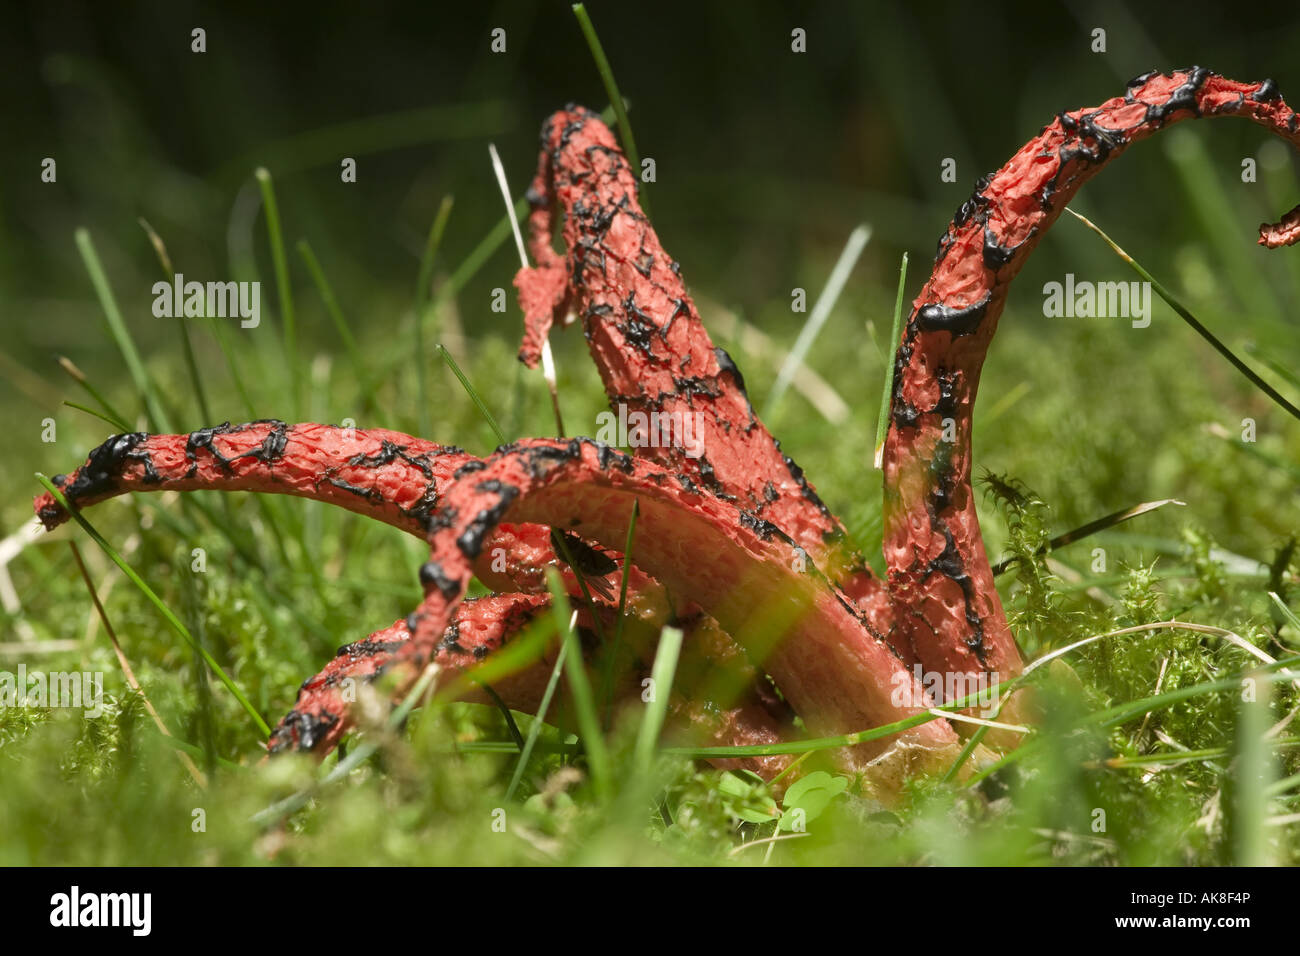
[481,253]
[473,394]
[1173,758]
[1004,402]
[159,248]
[222,335]
[1212,206]
[191,364]
[229,524]
[665,666]
[275,235]
[1092,527]
[524,650]
[844,740]
[281,264]
[143,383]
[1111,716]
[1286,783]
[157,602]
[505,712]
[584,704]
[1276,365]
[548,357]
[489,244]
[615,98]
[500,172]
[127,672]
[422,289]
[821,311]
[119,425]
[975,740]
[340,321]
[561,547]
[112,415]
[536,729]
[279,810]
[1122,713]
[1191,320]
[611,660]
[882,423]
[1252,776]
[1286,611]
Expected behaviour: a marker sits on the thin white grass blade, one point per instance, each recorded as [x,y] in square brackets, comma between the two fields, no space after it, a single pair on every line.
[510,206]
[821,311]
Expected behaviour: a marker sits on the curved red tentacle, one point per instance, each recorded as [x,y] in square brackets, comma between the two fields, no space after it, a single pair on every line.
[652,350]
[744,572]
[321,715]
[734,528]
[397,479]
[381,474]
[943,590]
[323,711]
[386,475]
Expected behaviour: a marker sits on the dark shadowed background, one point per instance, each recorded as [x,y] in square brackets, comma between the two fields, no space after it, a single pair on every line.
[766,160]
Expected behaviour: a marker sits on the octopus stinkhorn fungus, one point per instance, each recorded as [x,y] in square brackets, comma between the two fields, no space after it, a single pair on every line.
[732,542]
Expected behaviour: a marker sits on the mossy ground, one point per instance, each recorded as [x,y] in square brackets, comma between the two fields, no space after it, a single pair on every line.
[1079,417]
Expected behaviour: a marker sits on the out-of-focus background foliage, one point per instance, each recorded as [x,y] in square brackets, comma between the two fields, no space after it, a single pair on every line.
[766,160]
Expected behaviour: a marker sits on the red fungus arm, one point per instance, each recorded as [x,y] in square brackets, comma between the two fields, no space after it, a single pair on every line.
[741,571]
[322,714]
[651,348]
[397,479]
[381,474]
[943,591]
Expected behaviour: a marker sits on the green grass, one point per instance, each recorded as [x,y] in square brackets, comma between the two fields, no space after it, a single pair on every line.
[1146,730]
[1149,730]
